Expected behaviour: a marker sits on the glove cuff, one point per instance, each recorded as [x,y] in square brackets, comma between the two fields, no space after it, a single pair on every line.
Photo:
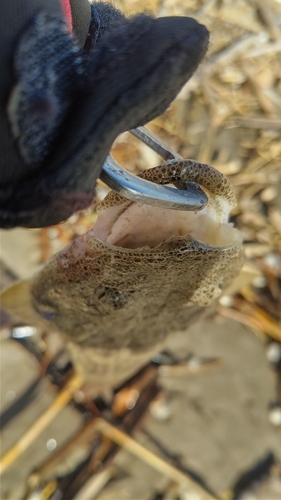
[77,14]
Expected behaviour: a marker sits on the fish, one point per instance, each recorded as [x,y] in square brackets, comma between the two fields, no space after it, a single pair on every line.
[119,291]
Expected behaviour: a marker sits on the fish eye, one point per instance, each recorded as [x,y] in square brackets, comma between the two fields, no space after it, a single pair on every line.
[48,315]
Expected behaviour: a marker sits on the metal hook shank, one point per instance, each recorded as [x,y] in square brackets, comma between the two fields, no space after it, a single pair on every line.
[136,189]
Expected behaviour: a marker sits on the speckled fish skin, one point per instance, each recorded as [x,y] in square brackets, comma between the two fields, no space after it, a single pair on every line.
[117,305]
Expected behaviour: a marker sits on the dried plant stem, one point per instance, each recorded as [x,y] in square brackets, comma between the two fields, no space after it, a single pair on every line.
[266,104]
[230,54]
[256,122]
[185,370]
[151,459]
[254,317]
[95,484]
[29,437]
[269,19]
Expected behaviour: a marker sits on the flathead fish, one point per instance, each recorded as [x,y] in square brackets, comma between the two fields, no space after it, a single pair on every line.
[141,273]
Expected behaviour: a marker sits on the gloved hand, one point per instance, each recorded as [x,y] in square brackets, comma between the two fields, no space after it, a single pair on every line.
[73,77]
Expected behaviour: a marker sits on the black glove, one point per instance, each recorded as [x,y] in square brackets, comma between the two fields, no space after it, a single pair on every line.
[66,97]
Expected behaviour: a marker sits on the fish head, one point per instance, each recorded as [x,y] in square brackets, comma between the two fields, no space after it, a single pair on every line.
[143,264]
[140,274]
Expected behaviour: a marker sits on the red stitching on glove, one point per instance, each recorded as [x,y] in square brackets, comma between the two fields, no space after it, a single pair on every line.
[66,7]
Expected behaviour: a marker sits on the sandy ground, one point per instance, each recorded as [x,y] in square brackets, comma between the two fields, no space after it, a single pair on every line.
[218,422]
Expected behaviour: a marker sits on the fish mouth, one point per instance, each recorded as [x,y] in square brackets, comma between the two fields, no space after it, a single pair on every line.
[133,225]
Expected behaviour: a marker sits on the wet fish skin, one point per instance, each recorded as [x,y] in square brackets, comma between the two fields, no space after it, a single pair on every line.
[116,305]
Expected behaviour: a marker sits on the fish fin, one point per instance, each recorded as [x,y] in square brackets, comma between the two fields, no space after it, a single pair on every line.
[16,300]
